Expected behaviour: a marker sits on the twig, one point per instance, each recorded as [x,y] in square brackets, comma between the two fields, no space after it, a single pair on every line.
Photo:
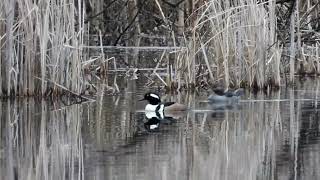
[64,88]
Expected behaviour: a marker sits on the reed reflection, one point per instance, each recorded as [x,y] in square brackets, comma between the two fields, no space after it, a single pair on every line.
[273,136]
[257,138]
[40,142]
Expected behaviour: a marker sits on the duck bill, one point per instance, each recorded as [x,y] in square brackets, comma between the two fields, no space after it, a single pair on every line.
[142,99]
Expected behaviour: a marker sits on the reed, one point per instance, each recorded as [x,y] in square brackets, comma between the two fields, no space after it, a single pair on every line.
[42,47]
[238,34]
[240,43]
[292,46]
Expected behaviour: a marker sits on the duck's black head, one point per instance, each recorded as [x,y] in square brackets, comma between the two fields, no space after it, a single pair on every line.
[152,98]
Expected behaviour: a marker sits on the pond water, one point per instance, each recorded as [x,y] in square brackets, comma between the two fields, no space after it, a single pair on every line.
[264,136]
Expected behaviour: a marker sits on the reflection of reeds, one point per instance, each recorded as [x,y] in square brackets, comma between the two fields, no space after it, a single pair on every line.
[245,143]
[39,143]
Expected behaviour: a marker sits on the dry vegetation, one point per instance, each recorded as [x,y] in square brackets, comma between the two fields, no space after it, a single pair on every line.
[255,43]
[41,47]
[232,43]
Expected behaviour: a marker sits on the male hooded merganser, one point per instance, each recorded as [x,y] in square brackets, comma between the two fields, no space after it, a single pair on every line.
[156,105]
[221,95]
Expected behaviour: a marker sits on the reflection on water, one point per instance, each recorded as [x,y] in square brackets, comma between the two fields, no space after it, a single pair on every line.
[262,137]
[40,143]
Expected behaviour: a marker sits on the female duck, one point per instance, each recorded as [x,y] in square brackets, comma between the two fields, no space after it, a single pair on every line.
[222,96]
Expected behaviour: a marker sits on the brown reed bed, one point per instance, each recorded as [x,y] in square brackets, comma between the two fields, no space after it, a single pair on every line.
[252,44]
[41,45]
[244,44]
[46,47]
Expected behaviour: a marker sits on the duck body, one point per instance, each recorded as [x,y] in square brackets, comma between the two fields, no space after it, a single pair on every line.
[155,104]
[228,96]
[154,108]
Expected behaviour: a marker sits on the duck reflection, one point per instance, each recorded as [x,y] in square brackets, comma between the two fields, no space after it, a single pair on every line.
[224,106]
[156,119]
[219,108]
[152,124]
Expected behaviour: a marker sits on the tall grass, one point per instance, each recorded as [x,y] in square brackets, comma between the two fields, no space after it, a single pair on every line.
[236,35]
[41,47]
[239,43]
[231,43]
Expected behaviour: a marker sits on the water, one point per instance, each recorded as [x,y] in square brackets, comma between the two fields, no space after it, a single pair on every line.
[272,136]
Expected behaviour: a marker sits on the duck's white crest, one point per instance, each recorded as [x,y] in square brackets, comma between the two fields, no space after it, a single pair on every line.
[154,95]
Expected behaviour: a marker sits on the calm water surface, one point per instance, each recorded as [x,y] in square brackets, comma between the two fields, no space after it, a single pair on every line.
[274,136]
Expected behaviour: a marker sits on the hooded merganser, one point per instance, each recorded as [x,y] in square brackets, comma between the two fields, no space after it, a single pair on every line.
[221,95]
[156,105]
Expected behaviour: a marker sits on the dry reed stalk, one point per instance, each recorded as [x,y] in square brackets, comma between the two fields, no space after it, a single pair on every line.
[43,23]
[28,55]
[275,50]
[139,48]
[115,85]
[207,62]
[225,50]
[161,11]
[277,59]
[304,67]
[9,9]
[317,57]
[2,35]
[292,47]
[316,98]
[103,66]
[181,19]
[261,79]
[298,32]
[156,68]
[191,61]
[178,65]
